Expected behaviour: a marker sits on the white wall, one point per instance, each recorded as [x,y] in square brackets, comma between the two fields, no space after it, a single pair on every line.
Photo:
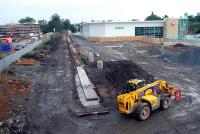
[97,30]
[128,28]
[109,29]
[86,30]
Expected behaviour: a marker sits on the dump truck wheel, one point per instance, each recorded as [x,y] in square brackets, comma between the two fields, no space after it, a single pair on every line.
[144,112]
[164,103]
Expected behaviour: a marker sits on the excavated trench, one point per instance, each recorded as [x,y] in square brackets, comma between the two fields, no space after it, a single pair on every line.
[111,80]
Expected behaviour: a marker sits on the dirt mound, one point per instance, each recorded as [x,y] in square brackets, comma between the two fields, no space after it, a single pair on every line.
[111,80]
[41,53]
[189,57]
[178,48]
[119,72]
[166,57]
[12,91]
[154,51]
[179,45]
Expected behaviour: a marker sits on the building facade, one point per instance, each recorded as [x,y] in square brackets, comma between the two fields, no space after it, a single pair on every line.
[147,31]
[19,29]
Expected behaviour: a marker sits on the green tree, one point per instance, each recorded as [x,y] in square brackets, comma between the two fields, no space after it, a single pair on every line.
[27,20]
[78,27]
[191,18]
[44,26]
[55,23]
[67,24]
[194,27]
[197,18]
[153,17]
[194,23]
[42,22]
[134,20]
[165,17]
[73,29]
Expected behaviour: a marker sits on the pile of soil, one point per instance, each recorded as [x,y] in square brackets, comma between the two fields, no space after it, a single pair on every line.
[119,72]
[166,57]
[12,91]
[111,80]
[154,51]
[178,48]
[41,53]
[127,48]
[179,45]
[189,57]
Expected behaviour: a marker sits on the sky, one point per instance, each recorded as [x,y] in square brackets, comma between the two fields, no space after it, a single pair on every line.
[86,10]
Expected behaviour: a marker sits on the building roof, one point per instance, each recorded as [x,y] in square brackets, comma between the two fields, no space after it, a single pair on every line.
[113,22]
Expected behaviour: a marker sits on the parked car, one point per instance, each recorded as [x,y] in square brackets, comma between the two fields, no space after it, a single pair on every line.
[18,47]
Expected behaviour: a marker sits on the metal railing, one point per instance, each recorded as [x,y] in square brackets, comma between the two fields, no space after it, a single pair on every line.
[6,61]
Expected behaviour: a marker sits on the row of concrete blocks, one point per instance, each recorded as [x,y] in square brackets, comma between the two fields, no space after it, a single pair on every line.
[87,94]
[85,88]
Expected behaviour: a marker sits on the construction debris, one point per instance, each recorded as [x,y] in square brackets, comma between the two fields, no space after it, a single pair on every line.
[26,62]
[10,87]
[189,57]
[92,113]
[118,72]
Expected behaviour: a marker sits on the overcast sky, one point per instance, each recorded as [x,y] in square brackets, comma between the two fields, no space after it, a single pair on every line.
[86,10]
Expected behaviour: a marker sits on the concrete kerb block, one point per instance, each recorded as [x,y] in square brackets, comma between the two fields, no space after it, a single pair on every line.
[85,88]
[100,64]
[91,57]
[83,100]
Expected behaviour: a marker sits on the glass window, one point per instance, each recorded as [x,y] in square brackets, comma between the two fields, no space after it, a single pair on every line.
[182,27]
[156,32]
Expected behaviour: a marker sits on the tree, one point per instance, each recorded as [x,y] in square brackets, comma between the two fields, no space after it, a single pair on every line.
[195,27]
[45,28]
[27,20]
[194,23]
[134,20]
[165,17]
[197,18]
[153,17]
[55,23]
[42,22]
[78,27]
[191,18]
[67,24]
[73,29]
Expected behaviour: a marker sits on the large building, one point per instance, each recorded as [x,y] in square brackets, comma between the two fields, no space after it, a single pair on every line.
[146,31]
[19,29]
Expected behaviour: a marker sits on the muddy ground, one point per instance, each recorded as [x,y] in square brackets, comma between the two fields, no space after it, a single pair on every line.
[53,101]
[180,118]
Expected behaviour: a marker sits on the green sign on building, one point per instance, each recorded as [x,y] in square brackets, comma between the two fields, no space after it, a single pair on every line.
[185,14]
[119,28]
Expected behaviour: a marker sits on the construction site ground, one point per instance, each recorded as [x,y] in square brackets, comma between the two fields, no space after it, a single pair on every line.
[52,102]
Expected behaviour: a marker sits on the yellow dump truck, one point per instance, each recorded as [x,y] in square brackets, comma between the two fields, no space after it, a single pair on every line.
[141,98]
